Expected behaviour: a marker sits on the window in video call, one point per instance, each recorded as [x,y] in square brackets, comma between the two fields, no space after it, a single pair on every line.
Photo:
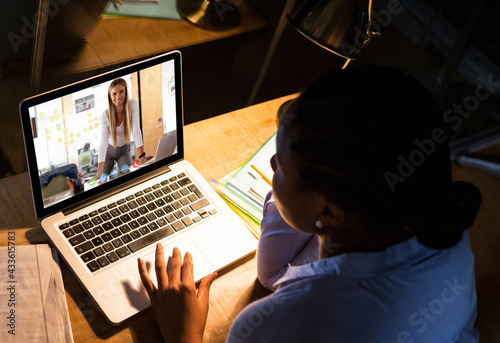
[72,136]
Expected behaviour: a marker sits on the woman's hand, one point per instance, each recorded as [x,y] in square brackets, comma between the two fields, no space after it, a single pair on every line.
[181,312]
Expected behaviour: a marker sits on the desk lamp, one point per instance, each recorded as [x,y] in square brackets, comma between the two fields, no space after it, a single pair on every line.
[340,26]
[210,14]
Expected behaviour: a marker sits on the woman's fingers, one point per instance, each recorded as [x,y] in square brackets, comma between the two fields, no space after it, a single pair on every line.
[187,269]
[146,280]
[175,267]
[204,288]
[161,273]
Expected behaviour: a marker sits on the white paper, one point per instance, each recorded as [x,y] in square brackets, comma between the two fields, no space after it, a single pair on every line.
[32,299]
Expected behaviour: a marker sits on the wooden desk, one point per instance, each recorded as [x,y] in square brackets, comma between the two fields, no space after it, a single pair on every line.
[122,39]
[216,147]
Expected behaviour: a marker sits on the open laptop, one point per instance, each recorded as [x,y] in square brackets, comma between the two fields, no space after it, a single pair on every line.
[166,147]
[101,228]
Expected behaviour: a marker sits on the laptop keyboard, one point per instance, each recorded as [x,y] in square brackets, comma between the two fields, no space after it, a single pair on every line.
[123,227]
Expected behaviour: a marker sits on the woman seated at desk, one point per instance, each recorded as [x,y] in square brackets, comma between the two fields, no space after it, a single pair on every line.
[118,123]
[366,238]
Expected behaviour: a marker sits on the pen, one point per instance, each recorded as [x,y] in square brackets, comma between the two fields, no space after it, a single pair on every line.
[262,175]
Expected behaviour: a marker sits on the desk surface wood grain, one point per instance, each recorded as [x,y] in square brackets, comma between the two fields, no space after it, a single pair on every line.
[217,146]
[122,39]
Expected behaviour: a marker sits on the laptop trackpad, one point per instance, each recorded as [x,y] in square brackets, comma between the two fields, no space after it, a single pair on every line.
[201,265]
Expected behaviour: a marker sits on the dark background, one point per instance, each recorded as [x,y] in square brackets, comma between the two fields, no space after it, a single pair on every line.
[447,45]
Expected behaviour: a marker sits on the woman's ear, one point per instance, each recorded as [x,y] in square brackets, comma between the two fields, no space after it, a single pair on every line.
[331,215]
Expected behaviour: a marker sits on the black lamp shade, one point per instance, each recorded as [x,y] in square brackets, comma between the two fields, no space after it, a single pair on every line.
[341,26]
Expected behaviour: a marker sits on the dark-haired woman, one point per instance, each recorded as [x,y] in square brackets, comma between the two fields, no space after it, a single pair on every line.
[118,124]
[365,236]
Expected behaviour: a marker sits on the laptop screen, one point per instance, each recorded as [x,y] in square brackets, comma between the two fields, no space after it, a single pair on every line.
[91,136]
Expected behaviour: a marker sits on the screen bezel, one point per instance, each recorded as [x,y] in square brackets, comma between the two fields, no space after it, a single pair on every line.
[42,212]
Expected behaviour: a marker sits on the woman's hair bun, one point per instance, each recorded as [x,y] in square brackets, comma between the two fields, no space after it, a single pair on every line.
[456,213]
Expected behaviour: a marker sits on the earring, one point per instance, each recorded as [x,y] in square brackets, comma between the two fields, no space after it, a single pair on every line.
[319,224]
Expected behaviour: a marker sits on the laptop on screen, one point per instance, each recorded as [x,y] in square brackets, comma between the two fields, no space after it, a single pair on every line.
[101,220]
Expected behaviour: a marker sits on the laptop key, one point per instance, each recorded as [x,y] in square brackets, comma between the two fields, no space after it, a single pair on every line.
[187,221]
[195,206]
[68,233]
[89,234]
[87,224]
[77,240]
[142,220]
[98,251]
[135,234]
[178,225]
[74,222]
[98,230]
[108,247]
[97,220]
[93,266]
[126,239]
[93,213]
[89,256]
[117,243]
[63,226]
[124,208]
[106,237]
[135,214]
[134,224]
[84,247]
[103,261]
[106,216]
[107,226]
[97,241]
[125,228]
[153,226]
[78,228]
[151,238]
[122,252]
[170,218]
[102,209]
[184,182]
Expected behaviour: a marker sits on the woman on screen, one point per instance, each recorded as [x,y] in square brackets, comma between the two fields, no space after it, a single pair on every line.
[118,123]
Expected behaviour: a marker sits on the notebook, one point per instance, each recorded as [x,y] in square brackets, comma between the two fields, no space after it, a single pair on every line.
[101,224]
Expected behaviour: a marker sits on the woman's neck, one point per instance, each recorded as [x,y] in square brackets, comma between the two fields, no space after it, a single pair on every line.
[366,241]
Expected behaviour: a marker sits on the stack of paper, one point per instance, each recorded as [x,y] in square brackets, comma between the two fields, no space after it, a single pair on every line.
[245,190]
[33,302]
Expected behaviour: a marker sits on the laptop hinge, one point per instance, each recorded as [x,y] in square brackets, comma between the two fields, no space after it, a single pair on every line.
[76,207]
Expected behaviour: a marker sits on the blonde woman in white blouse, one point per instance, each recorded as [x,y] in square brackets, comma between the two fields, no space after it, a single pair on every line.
[118,124]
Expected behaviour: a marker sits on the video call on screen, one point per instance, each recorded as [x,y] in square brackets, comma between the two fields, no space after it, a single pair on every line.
[67,131]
